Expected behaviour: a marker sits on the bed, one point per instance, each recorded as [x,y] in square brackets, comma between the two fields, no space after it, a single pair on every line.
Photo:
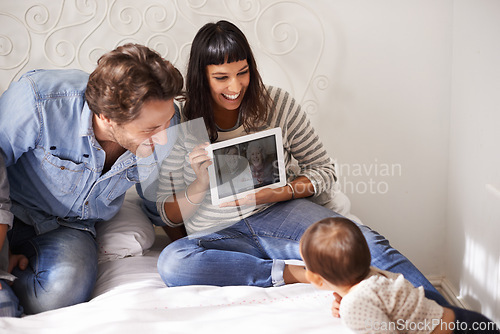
[130,296]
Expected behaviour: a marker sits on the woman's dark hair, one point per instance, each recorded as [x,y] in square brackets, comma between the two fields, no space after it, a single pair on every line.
[215,44]
[336,249]
[126,78]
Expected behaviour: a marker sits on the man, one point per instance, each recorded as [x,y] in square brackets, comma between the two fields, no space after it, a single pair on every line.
[71,142]
[9,304]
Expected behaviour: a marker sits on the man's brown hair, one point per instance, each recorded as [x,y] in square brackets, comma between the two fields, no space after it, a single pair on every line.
[126,78]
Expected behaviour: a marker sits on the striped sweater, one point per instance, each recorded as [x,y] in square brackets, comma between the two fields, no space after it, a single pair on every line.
[304,156]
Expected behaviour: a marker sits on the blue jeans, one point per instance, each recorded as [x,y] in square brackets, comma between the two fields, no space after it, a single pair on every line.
[470,322]
[62,268]
[9,304]
[252,251]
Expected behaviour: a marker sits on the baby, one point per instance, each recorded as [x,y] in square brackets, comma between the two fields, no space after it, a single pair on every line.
[337,258]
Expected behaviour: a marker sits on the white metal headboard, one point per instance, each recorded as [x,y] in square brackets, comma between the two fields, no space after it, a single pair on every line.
[288,37]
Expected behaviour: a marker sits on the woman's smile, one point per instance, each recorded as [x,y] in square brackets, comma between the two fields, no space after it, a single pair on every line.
[231,97]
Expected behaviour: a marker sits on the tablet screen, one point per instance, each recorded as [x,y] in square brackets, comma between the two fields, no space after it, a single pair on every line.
[246,164]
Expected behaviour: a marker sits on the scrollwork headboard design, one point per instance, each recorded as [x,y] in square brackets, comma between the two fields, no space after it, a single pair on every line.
[288,37]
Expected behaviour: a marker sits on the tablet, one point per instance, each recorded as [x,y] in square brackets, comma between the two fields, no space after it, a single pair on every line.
[246,164]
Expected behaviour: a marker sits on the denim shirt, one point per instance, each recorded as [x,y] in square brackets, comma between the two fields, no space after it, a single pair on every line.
[5,218]
[53,159]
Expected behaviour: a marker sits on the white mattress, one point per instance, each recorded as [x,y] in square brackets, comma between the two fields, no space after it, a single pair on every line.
[130,297]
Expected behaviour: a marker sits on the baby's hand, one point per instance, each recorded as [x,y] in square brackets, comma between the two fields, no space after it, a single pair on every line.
[336,305]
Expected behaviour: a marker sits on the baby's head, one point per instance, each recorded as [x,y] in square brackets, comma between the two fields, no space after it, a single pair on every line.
[335,249]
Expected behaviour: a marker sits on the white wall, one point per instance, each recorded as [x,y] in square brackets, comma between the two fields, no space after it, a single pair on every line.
[387,122]
[473,247]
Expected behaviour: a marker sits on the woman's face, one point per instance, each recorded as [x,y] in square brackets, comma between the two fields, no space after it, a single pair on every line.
[256,157]
[228,84]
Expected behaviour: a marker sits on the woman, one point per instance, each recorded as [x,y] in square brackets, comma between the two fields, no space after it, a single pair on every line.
[261,166]
[245,242]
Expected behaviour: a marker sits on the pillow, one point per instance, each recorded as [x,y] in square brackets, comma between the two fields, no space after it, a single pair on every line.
[128,233]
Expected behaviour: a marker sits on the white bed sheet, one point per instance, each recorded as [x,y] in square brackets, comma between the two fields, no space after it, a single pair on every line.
[130,297]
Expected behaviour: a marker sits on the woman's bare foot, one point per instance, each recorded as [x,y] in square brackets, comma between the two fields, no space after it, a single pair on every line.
[294,274]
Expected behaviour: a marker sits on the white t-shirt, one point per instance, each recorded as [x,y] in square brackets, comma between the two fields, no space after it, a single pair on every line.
[386,302]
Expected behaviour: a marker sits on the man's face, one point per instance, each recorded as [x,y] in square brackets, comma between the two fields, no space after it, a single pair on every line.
[232,159]
[140,135]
